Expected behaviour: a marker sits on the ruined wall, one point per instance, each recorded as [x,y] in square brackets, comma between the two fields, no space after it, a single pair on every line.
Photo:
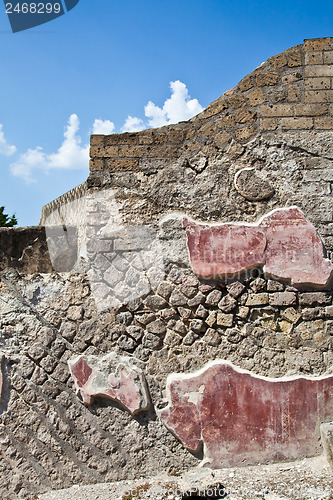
[135,291]
[60,203]
[25,249]
[278,119]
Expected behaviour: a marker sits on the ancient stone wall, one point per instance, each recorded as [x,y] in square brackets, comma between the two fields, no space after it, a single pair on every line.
[192,243]
[277,120]
[60,203]
[25,249]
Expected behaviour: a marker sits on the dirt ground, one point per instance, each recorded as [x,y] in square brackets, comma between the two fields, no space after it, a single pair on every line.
[302,480]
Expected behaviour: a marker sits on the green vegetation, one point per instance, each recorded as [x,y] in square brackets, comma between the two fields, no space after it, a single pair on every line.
[5,220]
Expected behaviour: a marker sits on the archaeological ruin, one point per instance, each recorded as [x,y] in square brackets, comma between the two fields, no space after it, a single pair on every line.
[176,309]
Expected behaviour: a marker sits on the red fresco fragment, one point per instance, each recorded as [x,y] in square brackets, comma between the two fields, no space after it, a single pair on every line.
[110,376]
[245,419]
[283,241]
[81,371]
[224,249]
[294,249]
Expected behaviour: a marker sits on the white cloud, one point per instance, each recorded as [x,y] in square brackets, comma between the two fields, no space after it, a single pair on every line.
[5,148]
[104,127]
[70,156]
[33,158]
[179,107]
[132,124]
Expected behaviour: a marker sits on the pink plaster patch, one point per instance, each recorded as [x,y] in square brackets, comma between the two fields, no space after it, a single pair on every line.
[283,241]
[81,371]
[244,419]
[111,376]
[224,249]
[294,249]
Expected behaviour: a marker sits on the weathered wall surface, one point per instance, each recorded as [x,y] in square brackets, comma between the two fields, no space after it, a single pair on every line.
[60,203]
[25,249]
[49,439]
[265,145]
[278,120]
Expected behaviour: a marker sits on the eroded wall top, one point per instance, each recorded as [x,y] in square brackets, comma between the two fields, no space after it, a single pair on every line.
[277,121]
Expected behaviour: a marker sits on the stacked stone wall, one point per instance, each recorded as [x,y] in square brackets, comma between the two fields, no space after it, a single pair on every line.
[122,279]
[49,439]
[56,205]
[277,120]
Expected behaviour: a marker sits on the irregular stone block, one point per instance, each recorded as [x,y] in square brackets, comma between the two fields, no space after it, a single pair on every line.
[151,341]
[111,376]
[283,242]
[211,318]
[285,326]
[258,285]
[212,337]
[196,325]
[235,289]
[242,418]
[329,311]
[157,327]
[243,312]
[177,298]
[227,304]
[291,315]
[201,312]
[164,289]
[225,320]
[257,299]
[198,299]
[251,185]
[282,299]
[310,299]
[312,313]
[274,286]
[213,298]
[126,343]
[190,338]
[186,313]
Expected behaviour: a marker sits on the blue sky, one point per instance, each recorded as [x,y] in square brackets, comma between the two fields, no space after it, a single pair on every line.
[106,60]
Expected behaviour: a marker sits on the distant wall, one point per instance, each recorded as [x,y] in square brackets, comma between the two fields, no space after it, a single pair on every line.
[55,205]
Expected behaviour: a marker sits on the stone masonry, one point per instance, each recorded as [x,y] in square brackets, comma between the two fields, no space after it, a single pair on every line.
[101,304]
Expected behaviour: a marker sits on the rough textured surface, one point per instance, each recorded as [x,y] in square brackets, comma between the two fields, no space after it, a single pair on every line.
[277,419]
[283,242]
[309,479]
[327,440]
[111,376]
[24,248]
[250,185]
[51,440]
[277,121]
